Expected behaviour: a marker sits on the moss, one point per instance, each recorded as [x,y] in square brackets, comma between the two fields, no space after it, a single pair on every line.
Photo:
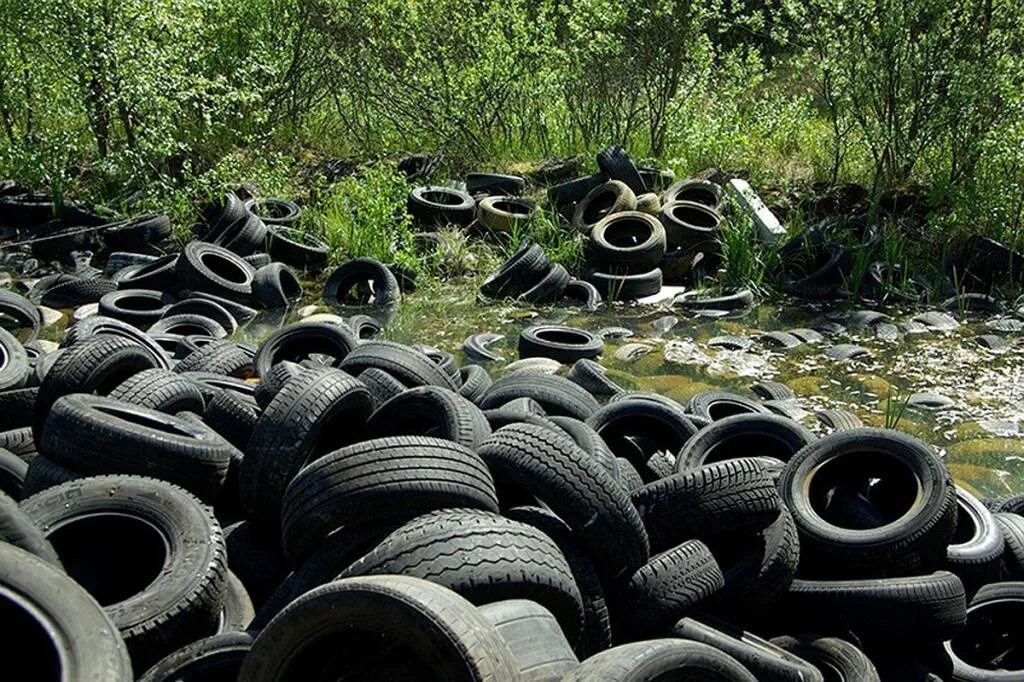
[807,385]
[675,386]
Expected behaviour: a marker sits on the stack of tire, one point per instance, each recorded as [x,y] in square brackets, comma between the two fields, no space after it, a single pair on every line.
[490,201]
[337,506]
[529,276]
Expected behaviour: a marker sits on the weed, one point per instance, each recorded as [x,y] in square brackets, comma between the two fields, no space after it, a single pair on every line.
[895,406]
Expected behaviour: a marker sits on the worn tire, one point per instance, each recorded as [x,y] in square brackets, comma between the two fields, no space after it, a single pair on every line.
[564,344]
[657,659]
[430,411]
[765,435]
[557,395]
[160,390]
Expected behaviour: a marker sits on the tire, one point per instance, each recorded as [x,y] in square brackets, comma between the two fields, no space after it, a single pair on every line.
[188,325]
[19,530]
[564,344]
[382,386]
[636,428]
[23,311]
[768,662]
[839,420]
[495,183]
[238,610]
[241,313]
[406,364]
[918,608]
[138,233]
[498,559]
[218,657]
[273,211]
[734,299]
[440,206]
[443,359]
[225,358]
[604,200]
[616,164]
[56,624]
[552,467]
[296,248]
[276,286]
[658,659]
[19,441]
[661,592]
[766,434]
[629,239]
[550,287]
[77,291]
[689,224]
[147,550]
[443,635]
[572,192]
[14,367]
[377,278]
[311,415]
[772,390]
[915,540]
[99,325]
[618,287]
[591,376]
[716,499]
[258,260]
[244,236]
[224,211]
[591,442]
[1012,505]
[475,382]
[557,395]
[827,274]
[533,636]
[138,307]
[1012,528]
[215,270]
[700,191]
[430,411]
[992,617]
[98,365]
[43,473]
[158,275]
[976,552]
[255,557]
[843,661]
[714,405]
[583,294]
[383,480]
[476,347]
[93,435]
[504,213]
[160,390]
[522,271]
[648,203]
[232,417]
[303,341]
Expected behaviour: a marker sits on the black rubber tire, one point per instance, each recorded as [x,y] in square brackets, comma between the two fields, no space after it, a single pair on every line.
[635,428]
[689,224]
[244,236]
[919,608]
[222,211]
[664,590]
[238,612]
[440,206]
[707,502]
[571,192]
[364,327]
[18,529]
[629,477]
[138,233]
[495,183]
[839,420]
[51,620]
[241,313]
[583,294]
[714,405]
[43,473]
[618,287]
[95,435]
[522,271]
[442,635]
[591,376]
[772,390]
[180,602]
[296,248]
[552,467]
[975,554]
[232,417]
[1012,505]
[533,636]
[303,341]
[17,407]
[255,557]
[14,366]
[225,358]
[159,275]
[275,286]
[214,658]
[188,325]
[100,325]
[987,650]
[1012,528]
[768,662]
[443,359]
[313,414]
[379,280]
[661,659]
[765,435]
[549,288]
[700,191]
[648,203]
[77,291]
[12,474]
[557,395]
[616,164]
[139,307]
[604,200]
[228,276]
[430,411]
[914,541]
[388,479]
[406,364]
[160,390]
[629,239]
[98,365]
[186,345]
[22,311]
[591,442]
[564,344]
[841,660]
[733,299]
[382,386]
[831,264]
[498,559]
[475,382]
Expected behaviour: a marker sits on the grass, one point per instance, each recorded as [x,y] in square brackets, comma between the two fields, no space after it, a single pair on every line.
[895,406]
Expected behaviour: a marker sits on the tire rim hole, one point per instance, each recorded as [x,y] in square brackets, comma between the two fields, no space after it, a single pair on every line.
[142,420]
[224,267]
[698,195]
[28,637]
[720,409]
[627,233]
[113,556]
[992,639]
[140,304]
[563,337]
[863,490]
[966,527]
[442,198]
[599,207]
[749,444]
[695,216]
[512,207]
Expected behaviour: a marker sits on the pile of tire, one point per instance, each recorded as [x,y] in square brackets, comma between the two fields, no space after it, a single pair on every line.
[529,276]
[332,506]
[491,202]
